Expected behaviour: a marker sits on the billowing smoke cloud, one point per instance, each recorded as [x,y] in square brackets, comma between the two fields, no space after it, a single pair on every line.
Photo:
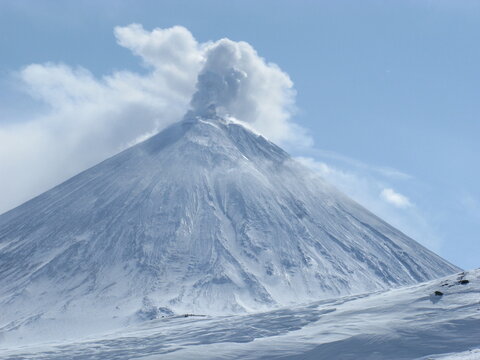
[89,118]
[237,82]
[230,78]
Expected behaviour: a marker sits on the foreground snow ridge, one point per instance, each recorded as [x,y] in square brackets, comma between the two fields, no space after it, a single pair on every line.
[401,324]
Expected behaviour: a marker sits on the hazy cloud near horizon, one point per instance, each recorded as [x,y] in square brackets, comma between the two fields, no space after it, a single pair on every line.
[370,187]
[88,118]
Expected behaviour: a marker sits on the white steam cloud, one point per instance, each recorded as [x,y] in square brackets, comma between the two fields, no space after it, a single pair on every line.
[235,81]
[88,119]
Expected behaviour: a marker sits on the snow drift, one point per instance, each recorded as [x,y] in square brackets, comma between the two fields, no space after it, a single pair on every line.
[400,324]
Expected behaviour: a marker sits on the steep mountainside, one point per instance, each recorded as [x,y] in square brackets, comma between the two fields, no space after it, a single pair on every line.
[205,217]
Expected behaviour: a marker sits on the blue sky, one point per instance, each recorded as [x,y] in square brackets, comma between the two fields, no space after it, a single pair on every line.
[387,90]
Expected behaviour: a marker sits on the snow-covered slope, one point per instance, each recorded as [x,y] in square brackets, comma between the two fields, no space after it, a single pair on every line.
[401,324]
[206,217]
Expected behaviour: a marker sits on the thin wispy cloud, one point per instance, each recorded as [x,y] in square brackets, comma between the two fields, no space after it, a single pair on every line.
[384,171]
[470,205]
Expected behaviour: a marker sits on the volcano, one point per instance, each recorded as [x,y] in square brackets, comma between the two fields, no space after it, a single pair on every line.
[206,217]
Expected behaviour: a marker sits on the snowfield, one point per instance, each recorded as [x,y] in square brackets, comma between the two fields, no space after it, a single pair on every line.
[405,323]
